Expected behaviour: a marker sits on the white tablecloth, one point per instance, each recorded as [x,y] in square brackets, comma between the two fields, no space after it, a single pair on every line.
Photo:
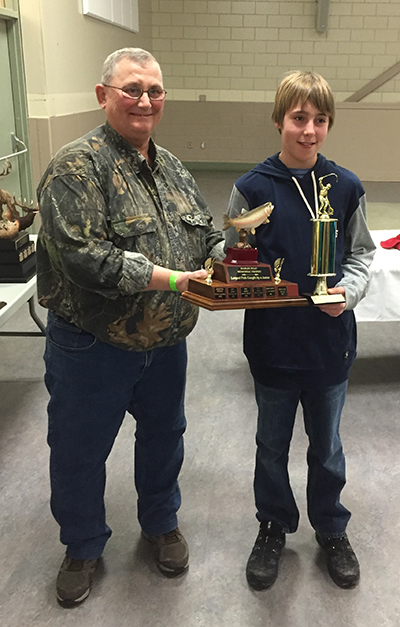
[382,302]
[16,295]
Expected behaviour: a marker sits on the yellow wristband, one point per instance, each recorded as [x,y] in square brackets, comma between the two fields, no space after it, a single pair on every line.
[172,280]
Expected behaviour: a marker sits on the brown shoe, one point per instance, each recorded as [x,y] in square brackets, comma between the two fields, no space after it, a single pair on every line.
[74,581]
[171,552]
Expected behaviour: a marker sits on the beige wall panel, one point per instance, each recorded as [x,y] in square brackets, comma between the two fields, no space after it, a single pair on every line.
[64,51]
[39,143]
[63,55]
[231,132]
[66,128]
[47,135]
[73,62]
[364,139]
[31,15]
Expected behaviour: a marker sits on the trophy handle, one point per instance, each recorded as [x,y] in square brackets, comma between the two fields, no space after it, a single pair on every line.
[209,267]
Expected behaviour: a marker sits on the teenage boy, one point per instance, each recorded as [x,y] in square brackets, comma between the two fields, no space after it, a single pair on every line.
[303,354]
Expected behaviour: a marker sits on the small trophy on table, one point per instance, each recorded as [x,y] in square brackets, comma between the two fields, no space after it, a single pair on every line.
[323,252]
[240,281]
[17,251]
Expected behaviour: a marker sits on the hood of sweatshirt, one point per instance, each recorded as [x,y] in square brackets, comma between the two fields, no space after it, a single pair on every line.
[273,166]
[346,192]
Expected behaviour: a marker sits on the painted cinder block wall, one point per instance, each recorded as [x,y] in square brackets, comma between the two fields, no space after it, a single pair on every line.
[222,61]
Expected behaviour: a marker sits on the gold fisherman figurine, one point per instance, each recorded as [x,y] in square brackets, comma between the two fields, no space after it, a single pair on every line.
[325,208]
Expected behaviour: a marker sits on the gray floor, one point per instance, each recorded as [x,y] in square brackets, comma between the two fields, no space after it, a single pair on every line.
[217,514]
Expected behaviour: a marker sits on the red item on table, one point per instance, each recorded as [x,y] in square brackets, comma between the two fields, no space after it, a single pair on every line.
[392,242]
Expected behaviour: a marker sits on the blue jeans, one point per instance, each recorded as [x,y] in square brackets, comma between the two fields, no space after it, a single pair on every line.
[91,386]
[274,498]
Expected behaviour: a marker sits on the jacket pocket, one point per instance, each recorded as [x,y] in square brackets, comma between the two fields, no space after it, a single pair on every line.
[138,234]
[195,225]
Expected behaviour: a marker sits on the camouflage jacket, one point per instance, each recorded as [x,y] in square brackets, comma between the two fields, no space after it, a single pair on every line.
[107,217]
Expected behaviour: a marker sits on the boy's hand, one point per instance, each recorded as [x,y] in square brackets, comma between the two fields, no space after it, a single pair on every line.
[335,309]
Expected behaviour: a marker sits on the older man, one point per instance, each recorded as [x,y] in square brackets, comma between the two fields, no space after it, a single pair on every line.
[124,228]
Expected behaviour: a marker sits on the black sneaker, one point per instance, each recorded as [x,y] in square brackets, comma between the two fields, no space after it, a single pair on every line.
[74,581]
[342,562]
[262,566]
[171,552]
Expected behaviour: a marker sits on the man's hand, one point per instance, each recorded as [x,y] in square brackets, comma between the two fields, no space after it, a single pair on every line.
[160,279]
[182,281]
[335,309]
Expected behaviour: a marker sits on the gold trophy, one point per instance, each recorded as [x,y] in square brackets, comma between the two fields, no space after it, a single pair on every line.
[323,252]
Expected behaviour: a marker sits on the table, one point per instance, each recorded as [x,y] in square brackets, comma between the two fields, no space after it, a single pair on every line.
[382,302]
[16,295]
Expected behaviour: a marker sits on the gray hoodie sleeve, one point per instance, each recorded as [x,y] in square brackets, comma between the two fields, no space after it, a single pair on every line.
[359,250]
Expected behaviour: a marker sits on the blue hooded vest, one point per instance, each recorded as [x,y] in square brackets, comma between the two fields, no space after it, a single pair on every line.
[298,345]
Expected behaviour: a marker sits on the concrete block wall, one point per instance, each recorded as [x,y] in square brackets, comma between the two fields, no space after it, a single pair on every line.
[238,50]
[222,61]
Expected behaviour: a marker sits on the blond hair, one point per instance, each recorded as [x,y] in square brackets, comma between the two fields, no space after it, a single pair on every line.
[298,87]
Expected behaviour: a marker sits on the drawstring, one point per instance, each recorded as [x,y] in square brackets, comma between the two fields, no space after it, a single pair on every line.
[314,216]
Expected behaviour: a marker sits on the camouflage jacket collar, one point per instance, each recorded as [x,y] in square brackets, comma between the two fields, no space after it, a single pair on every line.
[128,152]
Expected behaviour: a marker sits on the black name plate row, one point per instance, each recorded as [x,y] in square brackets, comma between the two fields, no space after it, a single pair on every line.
[248,291]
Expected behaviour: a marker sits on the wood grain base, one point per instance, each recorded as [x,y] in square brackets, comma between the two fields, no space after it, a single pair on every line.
[248,303]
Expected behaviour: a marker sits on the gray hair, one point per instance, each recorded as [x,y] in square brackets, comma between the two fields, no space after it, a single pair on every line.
[136,55]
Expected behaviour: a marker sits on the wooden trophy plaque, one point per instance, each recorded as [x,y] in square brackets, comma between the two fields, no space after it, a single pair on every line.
[241,282]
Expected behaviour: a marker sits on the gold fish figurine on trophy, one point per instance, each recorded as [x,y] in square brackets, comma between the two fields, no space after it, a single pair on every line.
[247,222]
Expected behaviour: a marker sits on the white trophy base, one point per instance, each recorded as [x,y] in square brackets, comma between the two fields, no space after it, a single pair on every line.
[325,299]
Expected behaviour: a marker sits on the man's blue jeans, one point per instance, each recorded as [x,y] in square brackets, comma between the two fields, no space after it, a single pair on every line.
[326,464]
[91,386]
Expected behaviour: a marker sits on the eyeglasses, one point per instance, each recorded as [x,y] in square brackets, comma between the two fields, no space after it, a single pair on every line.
[135,93]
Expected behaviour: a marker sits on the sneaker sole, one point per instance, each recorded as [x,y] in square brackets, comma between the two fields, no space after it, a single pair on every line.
[169,572]
[72,602]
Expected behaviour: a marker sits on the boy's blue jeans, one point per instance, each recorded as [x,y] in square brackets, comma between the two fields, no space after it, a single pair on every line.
[91,386]
[326,464]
